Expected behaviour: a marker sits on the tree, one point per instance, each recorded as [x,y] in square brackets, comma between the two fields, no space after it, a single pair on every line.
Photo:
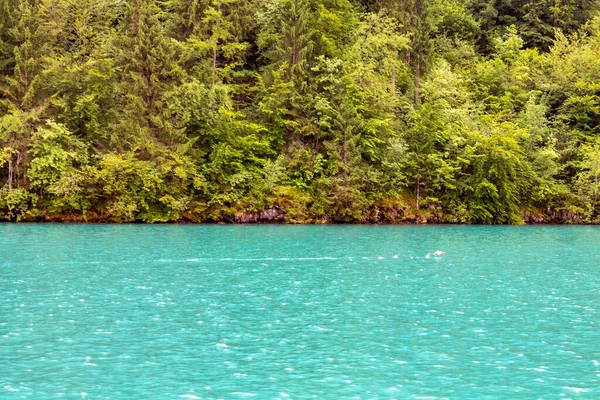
[149,68]
[286,38]
[493,179]
[55,171]
[536,21]
[216,36]
[588,180]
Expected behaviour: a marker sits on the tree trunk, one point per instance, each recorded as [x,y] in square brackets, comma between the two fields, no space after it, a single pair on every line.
[417,81]
[10,172]
[418,188]
[214,67]
[17,167]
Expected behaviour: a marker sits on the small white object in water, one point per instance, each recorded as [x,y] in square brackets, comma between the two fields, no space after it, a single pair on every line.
[87,362]
[438,253]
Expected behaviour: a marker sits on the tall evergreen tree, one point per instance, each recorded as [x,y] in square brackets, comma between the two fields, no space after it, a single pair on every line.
[286,38]
[148,61]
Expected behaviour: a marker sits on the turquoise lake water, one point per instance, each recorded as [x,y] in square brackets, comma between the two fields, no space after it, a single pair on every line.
[335,312]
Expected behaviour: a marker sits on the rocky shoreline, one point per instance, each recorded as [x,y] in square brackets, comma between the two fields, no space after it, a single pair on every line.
[374,216]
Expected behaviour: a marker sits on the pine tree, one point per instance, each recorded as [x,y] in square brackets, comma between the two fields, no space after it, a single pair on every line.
[148,59]
[20,100]
[8,16]
[286,38]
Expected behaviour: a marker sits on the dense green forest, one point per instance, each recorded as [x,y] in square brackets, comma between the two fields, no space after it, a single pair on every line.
[300,111]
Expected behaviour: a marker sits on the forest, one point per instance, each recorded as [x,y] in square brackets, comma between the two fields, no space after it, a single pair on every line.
[300,111]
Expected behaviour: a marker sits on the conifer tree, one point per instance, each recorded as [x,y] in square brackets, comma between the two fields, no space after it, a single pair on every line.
[286,38]
[148,62]
[20,102]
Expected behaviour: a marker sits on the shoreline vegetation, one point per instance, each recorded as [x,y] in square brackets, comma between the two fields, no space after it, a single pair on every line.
[300,111]
[376,216]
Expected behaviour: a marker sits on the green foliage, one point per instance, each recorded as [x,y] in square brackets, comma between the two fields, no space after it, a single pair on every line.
[15,203]
[303,111]
[55,153]
[130,189]
[287,38]
[588,180]
[494,175]
[536,21]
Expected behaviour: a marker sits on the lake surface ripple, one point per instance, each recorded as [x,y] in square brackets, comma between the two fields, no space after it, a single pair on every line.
[202,312]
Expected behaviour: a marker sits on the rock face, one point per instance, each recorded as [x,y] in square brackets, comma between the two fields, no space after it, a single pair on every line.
[269,215]
[550,216]
[245,218]
[388,215]
[535,219]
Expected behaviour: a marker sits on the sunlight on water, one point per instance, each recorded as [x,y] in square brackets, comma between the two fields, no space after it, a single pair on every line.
[201,312]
